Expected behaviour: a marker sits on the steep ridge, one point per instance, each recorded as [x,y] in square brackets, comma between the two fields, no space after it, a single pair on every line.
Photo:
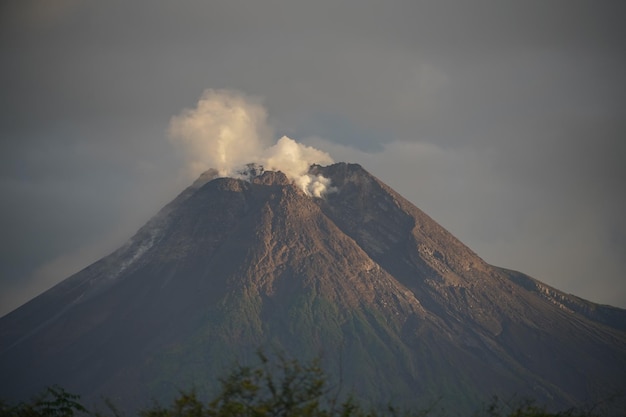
[397,308]
[517,324]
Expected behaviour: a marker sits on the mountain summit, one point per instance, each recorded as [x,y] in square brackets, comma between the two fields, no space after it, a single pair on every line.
[397,308]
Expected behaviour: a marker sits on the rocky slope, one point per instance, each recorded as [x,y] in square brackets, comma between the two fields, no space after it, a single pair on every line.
[398,309]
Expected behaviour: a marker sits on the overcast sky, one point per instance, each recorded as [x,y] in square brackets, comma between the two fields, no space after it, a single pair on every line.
[505,121]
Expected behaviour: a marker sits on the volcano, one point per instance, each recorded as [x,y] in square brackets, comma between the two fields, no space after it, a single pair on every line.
[396,307]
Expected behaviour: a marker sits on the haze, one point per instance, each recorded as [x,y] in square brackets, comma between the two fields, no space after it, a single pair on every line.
[503,121]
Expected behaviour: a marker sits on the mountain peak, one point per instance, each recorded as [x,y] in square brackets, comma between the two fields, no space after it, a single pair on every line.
[361,276]
[271,178]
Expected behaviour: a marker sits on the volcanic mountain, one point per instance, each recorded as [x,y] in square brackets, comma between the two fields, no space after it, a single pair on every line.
[397,308]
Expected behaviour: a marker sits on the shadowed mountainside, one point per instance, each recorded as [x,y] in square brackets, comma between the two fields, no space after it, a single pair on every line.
[397,308]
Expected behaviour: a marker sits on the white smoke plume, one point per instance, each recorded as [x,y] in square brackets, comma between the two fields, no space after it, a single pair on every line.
[227,130]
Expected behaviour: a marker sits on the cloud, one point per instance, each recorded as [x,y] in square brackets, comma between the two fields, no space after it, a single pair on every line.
[87,108]
[227,130]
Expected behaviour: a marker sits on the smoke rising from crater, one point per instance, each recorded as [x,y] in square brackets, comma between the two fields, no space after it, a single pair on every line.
[227,130]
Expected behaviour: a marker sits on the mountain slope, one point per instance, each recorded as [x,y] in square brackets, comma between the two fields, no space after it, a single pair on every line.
[396,306]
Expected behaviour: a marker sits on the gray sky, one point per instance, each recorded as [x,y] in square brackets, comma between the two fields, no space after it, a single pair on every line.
[505,121]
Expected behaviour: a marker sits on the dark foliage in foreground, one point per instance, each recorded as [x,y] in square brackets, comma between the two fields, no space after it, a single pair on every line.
[53,402]
[285,389]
